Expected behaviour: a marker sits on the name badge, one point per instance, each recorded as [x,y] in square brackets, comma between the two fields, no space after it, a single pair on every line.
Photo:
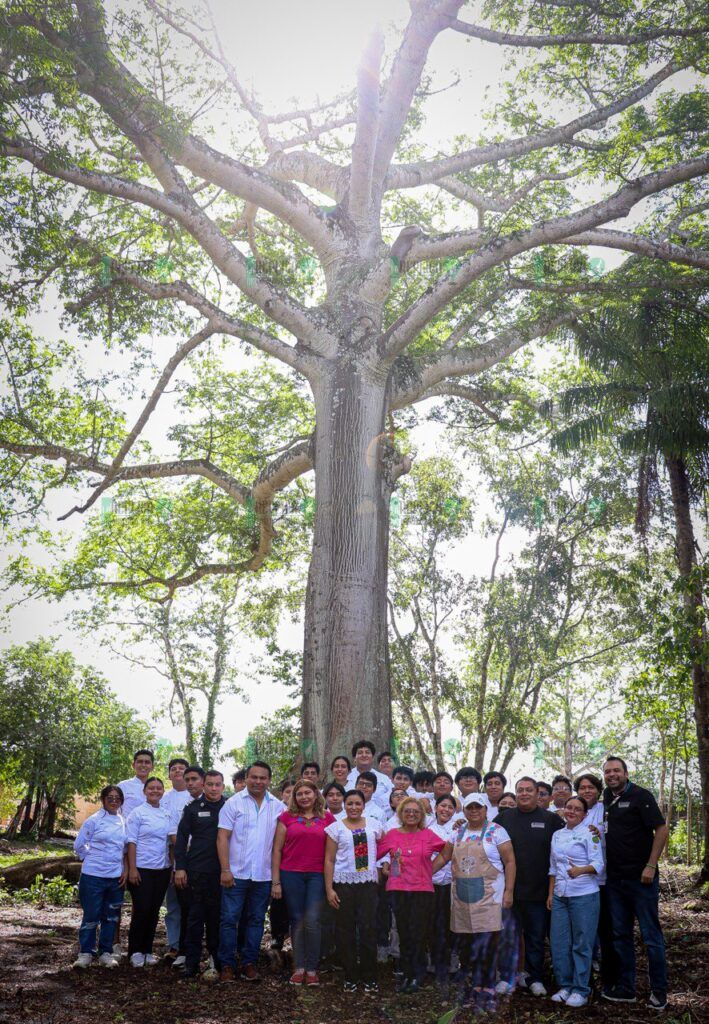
[538,824]
[204,814]
[624,803]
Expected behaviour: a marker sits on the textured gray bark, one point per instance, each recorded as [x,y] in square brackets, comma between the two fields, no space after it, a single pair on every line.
[346,677]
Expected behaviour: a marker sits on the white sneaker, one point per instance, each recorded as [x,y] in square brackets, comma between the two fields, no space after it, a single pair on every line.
[211,973]
[503,988]
[117,951]
[522,979]
[83,960]
[537,989]
[107,960]
[561,996]
[137,960]
[576,999]
[150,960]
[179,961]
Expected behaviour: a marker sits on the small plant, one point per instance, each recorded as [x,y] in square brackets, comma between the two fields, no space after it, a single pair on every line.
[56,891]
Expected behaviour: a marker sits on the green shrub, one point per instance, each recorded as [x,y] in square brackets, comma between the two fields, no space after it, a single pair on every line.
[56,891]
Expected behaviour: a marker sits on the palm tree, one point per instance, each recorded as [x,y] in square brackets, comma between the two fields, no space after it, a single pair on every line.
[652,397]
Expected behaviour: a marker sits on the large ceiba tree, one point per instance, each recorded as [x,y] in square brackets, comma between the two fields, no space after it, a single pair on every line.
[153,191]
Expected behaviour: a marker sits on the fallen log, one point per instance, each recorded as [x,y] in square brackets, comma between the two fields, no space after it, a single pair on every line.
[23,874]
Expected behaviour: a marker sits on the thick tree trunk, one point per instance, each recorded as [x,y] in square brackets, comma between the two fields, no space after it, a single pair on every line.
[686,558]
[346,688]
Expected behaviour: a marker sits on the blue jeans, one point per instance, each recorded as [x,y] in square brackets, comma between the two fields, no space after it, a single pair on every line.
[249,898]
[101,900]
[629,899]
[173,917]
[533,917]
[304,893]
[574,923]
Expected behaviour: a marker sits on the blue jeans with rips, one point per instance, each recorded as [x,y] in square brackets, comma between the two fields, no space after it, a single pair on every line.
[101,900]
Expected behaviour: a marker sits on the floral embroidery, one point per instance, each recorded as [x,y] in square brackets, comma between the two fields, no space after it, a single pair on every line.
[361,849]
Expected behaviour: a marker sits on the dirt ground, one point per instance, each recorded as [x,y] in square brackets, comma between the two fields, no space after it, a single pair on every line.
[38,986]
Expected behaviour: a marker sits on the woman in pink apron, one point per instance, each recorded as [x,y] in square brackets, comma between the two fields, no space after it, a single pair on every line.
[483,870]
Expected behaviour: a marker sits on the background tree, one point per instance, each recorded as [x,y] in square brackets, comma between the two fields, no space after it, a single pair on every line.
[652,395]
[120,199]
[62,733]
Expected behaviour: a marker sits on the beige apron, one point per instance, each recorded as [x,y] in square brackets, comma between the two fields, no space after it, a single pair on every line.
[473,906]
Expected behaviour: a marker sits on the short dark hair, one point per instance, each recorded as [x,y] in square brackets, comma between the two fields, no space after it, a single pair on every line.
[212,772]
[544,785]
[259,764]
[333,785]
[589,777]
[385,753]
[446,796]
[355,792]
[146,752]
[508,793]
[614,757]
[309,764]
[288,781]
[196,769]
[110,789]
[368,777]
[560,778]
[153,778]
[422,777]
[443,775]
[341,757]
[494,775]
[363,743]
[526,778]
[238,776]
[401,769]
[178,760]
[466,772]
[580,799]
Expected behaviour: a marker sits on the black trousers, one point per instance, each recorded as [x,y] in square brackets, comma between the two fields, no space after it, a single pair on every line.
[383,914]
[440,932]
[609,957]
[147,900]
[356,929]
[414,913]
[280,923]
[203,909]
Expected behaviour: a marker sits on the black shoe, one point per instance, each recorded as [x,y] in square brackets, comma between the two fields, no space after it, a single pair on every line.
[656,1002]
[371,988]
[618,995]
[349,986]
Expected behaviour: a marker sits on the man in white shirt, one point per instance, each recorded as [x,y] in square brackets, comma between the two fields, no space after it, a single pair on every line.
[132,789]
[174,802]
[363,752]
[367,783]
[495,784]
[247,826]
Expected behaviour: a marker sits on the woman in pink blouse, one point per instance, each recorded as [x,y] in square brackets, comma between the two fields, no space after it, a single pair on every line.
[297,867]
[412,847]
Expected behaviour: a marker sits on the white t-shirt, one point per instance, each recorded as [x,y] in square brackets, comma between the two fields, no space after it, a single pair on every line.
[442,877]
[495,835]
[252,828]
[346,870]
[133,795]
[148,828]
[380,796]
[595,817]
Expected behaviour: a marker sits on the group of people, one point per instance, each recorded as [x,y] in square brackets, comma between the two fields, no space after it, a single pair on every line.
[378,863]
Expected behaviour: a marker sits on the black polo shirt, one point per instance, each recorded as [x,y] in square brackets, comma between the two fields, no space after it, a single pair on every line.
[530,832]
[196,842]
[630,820]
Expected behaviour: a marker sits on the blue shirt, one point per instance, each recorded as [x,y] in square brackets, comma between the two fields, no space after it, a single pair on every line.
[148,828]
[100,844]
